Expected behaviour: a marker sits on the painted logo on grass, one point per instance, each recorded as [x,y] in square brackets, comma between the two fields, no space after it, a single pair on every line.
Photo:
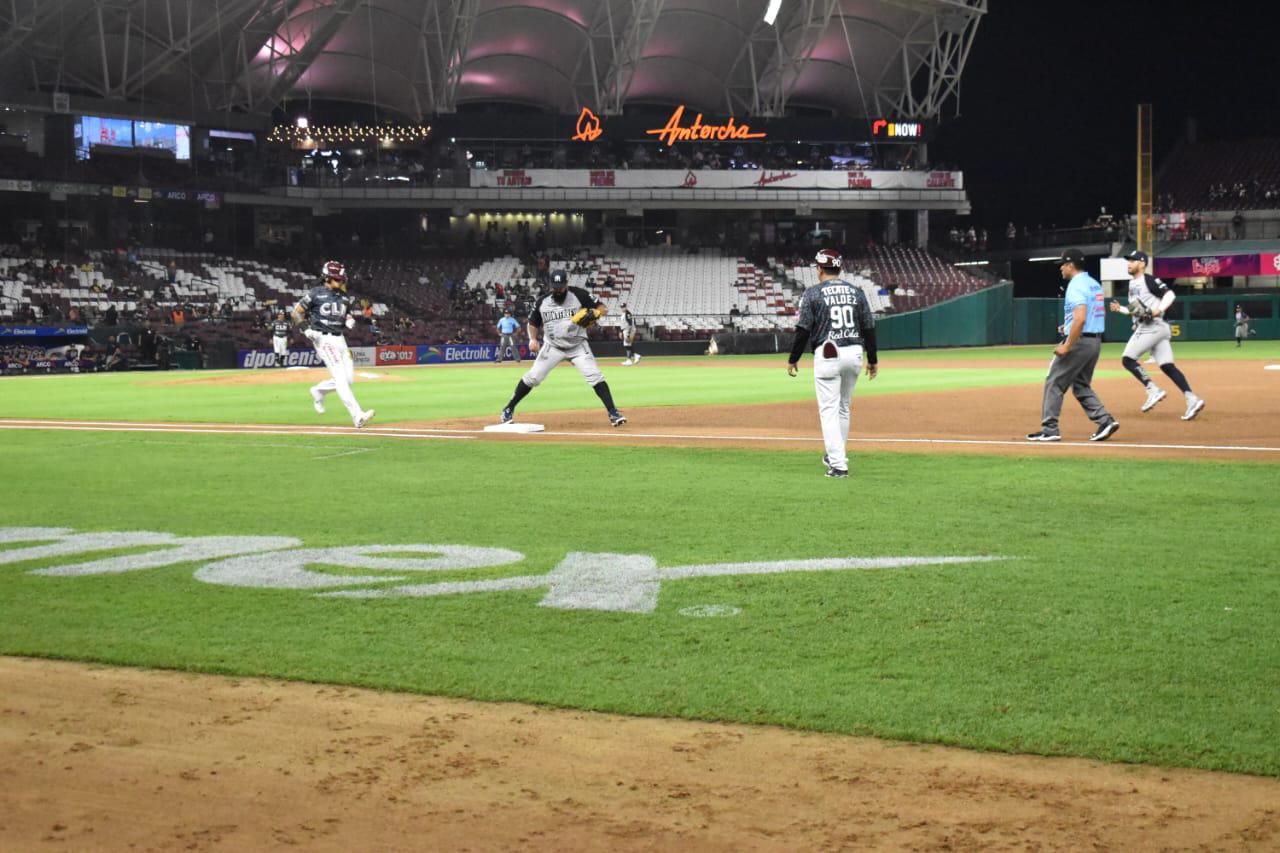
[619,583]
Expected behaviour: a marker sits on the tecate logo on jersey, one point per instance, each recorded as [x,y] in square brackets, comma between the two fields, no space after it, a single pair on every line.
[619,583]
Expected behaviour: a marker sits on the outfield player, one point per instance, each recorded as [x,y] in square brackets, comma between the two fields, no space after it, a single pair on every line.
[280,338]
[837,325]
[562,317]
[507,336]
[1149,301]
[327,310]
[1085,316]
[1242,325]
[629,336]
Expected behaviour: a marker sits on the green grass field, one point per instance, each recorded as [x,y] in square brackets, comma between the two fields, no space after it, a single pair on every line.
[1132,619]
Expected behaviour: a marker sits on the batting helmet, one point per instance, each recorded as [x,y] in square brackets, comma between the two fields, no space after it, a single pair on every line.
[828,259]
[334,270]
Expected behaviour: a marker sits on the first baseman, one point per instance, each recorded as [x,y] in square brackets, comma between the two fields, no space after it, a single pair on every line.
[562,317]
[280,338]
[327,310]
[1149,300]
[836,323]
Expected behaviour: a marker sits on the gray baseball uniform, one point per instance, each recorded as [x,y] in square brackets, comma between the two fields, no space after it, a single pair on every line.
[562,338]
[1153,334]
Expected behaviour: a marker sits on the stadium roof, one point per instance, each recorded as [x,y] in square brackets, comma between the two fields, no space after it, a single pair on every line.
[418,58]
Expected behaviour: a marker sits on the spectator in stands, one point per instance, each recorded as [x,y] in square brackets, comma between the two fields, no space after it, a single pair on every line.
[1237,226]
[459,337]
[114,358]
[111,317]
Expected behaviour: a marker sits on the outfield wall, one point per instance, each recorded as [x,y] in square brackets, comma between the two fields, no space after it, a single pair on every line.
[993,317]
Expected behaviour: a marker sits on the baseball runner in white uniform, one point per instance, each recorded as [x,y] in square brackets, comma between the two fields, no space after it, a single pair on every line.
[836,323]
[1149,299]
[629,336]
[280,338]
[563,317]
[327,310]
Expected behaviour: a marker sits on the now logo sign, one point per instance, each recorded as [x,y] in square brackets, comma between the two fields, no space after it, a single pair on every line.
[622,583]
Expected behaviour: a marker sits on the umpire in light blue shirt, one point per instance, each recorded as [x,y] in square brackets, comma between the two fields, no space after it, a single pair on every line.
[1084,318]
[507,337]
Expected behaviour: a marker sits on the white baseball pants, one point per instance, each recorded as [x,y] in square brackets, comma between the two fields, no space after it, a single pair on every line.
[280,345]
[1153,338]
[549,356]
[333,351]
[834,379]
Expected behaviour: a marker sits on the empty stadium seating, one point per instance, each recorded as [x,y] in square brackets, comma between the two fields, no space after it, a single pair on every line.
[1235,175]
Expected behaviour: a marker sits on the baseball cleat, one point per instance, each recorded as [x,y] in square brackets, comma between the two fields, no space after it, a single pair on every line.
[1043,436]
[837,472]
[317,400]
[626,362]
[616,418]
[1105,431]
[1155,395]
[635,359]
[507,415]
[1194,405]
[364,419]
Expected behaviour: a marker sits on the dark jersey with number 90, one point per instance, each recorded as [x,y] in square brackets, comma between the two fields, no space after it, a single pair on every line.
[835,311]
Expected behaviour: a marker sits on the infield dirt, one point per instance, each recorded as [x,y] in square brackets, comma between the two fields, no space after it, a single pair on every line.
[106,758]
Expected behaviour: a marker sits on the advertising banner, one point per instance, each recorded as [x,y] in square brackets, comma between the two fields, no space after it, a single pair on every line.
[1208,266]
[456,353]
[1270,264]
[364,356]
[43,331]
[392,355]
[255,358]
[722,179]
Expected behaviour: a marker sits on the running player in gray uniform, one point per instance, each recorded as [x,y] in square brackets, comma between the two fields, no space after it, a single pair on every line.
[1150,298]
[280,338]
[629,336]
[327,310]
[836,323]
[1242,325]
[562,339]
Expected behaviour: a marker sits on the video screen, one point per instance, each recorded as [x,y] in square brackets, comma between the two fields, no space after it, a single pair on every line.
[94,130]
[124,133]
[175,138]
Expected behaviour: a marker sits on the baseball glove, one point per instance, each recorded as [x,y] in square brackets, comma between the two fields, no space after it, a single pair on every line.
[585,317]
[1139,312]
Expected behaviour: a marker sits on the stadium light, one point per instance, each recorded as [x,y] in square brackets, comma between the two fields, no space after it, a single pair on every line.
[302,122]
[972,263]
[1049,258]
[771,12]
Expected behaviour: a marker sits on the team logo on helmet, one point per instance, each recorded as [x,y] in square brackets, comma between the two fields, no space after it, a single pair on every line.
[334,270]
[828,258]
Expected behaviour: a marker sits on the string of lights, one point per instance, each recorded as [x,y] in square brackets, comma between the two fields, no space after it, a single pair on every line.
[302,134]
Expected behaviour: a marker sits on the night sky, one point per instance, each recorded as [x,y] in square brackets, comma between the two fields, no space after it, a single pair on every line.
[1046,132]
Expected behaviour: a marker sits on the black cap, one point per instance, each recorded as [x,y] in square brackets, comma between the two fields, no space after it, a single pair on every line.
[559,277]
[1075,257]
[1137,255]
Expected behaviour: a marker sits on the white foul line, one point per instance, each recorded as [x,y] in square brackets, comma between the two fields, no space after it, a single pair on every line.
[468,434]
[178,428]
